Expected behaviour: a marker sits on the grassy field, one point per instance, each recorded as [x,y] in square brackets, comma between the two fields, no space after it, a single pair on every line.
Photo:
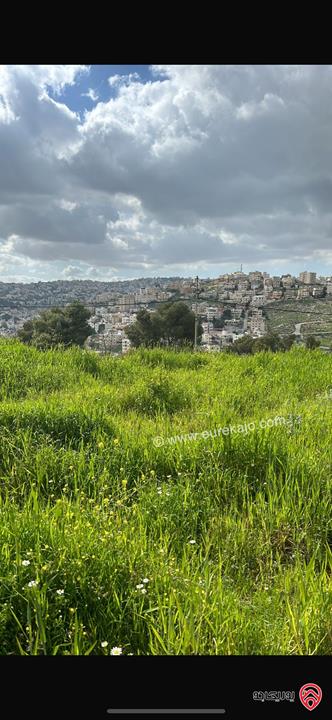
[113,539]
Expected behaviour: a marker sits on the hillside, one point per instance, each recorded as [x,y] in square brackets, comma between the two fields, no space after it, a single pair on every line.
[309,316]
[119,531]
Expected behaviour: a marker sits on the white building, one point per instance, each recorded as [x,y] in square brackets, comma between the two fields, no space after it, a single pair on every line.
[126,344]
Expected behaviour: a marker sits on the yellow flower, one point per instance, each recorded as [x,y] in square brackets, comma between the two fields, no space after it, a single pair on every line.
[101,445]
[116,441]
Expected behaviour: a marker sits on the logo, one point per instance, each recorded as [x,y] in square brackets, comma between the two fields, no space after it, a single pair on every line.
[310,695]
[275,695]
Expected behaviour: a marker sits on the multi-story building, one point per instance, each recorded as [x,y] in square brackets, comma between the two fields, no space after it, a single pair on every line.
[308,278]
[290,293]
[288,281]
[303,293]
[213,312]
[257,323]
[318,291]
[125,344]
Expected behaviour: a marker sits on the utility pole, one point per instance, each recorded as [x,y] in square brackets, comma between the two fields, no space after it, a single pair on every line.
[196,322]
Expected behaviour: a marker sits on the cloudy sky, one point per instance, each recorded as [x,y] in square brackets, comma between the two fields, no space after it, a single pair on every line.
[112,172]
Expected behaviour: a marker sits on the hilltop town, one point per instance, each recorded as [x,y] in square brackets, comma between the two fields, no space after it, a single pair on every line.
[229,306]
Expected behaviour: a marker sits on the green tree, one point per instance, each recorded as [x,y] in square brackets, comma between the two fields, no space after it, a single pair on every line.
[270,342]
[241,346]
[288,341]
[172,324]
[58,326]
[311,342]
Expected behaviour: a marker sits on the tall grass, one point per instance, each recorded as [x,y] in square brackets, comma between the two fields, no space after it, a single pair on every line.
[219,545]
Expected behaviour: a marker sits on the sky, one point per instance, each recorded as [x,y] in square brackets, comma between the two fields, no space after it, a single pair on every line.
[111,172]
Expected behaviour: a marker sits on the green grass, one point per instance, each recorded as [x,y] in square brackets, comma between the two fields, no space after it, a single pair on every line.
[232,532]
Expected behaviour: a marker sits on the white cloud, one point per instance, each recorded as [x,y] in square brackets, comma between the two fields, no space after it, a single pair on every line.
[202,166]
[92,94]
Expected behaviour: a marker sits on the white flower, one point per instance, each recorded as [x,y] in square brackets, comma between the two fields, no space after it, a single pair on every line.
[116,651]
[145,580]
[143,591]
[32,583]
[60,592]
[25,563]
[139,587]
[104,643]
[192,542]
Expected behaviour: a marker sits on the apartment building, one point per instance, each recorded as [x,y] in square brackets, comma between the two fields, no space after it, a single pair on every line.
[303,293]
[308,278]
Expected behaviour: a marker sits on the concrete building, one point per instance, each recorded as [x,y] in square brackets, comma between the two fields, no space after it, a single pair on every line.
[303,293]
[126,344]
[308,278]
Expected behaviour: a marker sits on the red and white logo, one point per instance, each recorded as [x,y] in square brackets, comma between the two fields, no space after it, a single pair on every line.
[310,695]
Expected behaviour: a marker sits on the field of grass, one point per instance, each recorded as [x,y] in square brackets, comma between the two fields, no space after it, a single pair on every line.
[216,545]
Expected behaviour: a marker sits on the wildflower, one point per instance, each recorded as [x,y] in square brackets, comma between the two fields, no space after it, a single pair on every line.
[60,592]
[145,580]
[25,563]
[32,583]
[143,591]
[116,651]
[116,441]
[101,445]
[104,643]
[140,586]
[192,542]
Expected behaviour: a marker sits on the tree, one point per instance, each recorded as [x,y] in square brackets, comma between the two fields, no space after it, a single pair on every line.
[241,346]
[288,341]
[312,343]
[270,342]
[172,324]
[218,323]
[58,326]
